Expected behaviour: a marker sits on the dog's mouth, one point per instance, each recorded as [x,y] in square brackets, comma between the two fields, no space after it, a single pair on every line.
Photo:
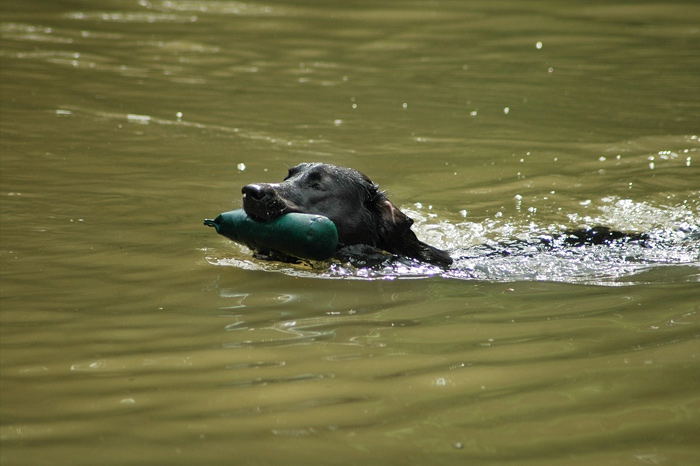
[262,210]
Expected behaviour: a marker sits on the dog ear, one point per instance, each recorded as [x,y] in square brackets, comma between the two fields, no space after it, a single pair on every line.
[399,239]
[393,216]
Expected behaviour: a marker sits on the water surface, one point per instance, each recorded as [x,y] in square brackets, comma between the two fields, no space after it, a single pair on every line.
[132,334]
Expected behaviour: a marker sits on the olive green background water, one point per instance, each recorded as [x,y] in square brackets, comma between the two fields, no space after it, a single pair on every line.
[132,334]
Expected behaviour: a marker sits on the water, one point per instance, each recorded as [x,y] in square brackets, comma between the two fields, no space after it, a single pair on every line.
[132,334]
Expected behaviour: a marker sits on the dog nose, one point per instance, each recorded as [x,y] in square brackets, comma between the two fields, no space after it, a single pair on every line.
[254,191]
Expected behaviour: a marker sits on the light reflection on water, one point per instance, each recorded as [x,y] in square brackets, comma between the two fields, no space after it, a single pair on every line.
[130,334]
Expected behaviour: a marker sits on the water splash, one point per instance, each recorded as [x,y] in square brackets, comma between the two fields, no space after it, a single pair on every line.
[508,250]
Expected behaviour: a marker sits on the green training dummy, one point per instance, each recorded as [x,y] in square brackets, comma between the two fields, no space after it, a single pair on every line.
[303,236]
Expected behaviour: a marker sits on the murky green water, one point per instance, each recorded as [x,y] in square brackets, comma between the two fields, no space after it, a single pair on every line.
[132,334]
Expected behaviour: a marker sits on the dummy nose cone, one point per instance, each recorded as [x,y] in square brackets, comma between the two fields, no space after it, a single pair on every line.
[216,223]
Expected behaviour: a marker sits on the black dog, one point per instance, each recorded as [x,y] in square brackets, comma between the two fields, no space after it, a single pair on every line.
[361,212]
